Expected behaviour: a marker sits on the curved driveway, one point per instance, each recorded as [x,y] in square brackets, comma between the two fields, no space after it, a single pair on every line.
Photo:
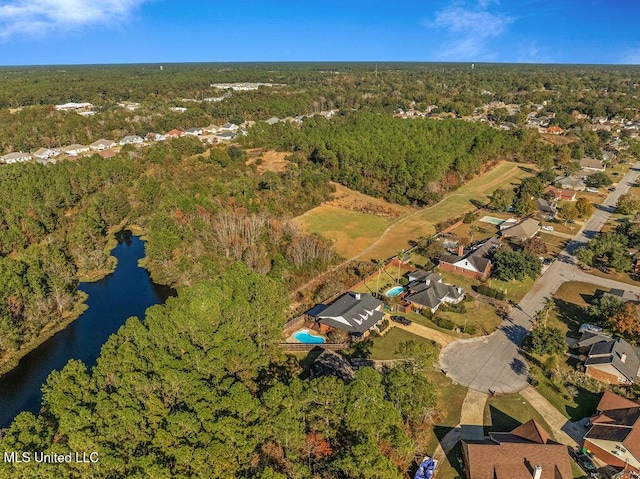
[494,363]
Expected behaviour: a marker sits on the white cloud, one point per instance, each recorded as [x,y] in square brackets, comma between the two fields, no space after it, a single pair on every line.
[39,17]
[469,29]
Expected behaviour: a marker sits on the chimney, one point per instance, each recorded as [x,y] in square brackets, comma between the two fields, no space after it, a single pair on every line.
[537,472]
[460,249]
[623,357]
[357,295]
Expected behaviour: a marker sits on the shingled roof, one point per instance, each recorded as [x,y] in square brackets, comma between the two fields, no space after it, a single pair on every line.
[516,455]
[352,312]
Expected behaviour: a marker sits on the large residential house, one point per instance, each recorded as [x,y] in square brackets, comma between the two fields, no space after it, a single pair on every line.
[613,361]
[571,183]
[15,157]
[193,131]
[354,313]
[546,208]
[522,231]
[45,153]
[72,106]
[614,436]
[591,164]
[74,150]
[561,193]
[229,127]
[427,291]
[527,452]
[473,262]
[175,133]
[102,144]
[131,140]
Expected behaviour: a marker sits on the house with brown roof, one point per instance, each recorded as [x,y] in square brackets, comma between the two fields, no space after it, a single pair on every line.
[614,436]
[561,193]
[522,231]
[527,452]
[591,164]
[175,133]
[473,262]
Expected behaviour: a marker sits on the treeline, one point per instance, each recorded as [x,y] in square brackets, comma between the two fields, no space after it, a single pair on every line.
[404,161]
[201,389]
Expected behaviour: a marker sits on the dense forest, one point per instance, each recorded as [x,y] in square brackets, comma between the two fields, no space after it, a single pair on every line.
[201,389]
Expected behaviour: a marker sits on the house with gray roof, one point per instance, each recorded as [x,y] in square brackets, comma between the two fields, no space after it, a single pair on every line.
[131,140]
[591,164]
[571,183]
[102,144]
[473,262]
[45,153]
[547,208]
[429,292]
[354,313]
[613,361]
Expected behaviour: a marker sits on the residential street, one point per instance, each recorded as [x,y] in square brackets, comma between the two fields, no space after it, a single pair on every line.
[493,363]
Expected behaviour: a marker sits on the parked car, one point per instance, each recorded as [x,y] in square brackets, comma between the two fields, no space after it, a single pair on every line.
[402,320]
[589,328]
[587,464]
[547,228]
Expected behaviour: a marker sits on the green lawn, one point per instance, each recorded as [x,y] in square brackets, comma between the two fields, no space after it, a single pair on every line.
[506,412]
[385,347]
[515,290]
[583,405]
[381,282]
[571,300]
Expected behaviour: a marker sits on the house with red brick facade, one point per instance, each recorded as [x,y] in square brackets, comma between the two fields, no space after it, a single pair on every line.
[473,262]
[614,435]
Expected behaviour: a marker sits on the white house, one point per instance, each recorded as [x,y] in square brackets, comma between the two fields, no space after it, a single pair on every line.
[229,127]
[102,144]
[45,153]
[193,131]
[73,106]
[15,157]
[74,150]
[131,140]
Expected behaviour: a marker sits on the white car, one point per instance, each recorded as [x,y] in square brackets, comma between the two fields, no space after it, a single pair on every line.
[547,228]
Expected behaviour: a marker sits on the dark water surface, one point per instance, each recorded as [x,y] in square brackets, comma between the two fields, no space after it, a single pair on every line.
[127,292]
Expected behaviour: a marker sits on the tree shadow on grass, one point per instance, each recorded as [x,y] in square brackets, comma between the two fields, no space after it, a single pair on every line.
[571,314]
[586,404]
[500,421]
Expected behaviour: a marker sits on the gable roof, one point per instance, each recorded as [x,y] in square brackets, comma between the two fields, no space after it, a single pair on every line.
[546,206]
[475,256]
[432,293]
[523,230]
[516,455]
[591,163]
[619,354]
[352,312]
[610,401]
[618,421]
[561,193]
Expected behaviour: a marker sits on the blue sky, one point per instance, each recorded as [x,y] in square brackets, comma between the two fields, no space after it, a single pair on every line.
[135,31]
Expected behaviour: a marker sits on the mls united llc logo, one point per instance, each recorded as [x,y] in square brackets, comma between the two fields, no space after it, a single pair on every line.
[25,457]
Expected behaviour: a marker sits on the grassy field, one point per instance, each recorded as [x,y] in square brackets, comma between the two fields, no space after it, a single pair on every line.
[505,413]
[356,222]
[385,347]
[350,231]
[388,277]
[422,223]
[482,316]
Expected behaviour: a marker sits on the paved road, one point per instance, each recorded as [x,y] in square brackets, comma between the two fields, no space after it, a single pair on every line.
[494,363]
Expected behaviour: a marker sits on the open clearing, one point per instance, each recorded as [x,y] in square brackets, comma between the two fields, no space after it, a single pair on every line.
[271,160]
[349,219]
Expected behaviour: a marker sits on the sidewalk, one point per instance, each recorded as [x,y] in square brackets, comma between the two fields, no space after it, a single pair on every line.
[564,430]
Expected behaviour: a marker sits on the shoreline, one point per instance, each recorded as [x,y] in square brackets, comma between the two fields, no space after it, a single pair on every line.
[49,330]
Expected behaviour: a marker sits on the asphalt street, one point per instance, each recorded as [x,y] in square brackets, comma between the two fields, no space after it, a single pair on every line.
[494,363]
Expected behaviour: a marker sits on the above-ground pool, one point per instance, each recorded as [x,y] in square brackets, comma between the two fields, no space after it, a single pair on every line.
[395,291]
[305,337]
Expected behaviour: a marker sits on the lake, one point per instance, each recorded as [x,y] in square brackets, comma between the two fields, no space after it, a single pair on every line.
[127,292]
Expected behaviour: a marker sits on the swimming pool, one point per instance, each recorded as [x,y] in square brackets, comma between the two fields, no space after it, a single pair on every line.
[395,291]
[492,220]
[305,337]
